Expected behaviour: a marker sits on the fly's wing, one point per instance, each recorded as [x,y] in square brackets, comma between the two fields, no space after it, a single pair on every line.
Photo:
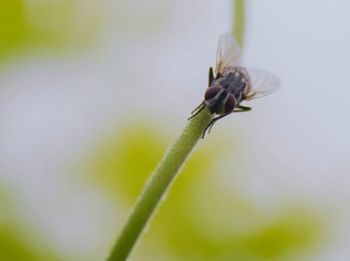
[228,53]
[262,83]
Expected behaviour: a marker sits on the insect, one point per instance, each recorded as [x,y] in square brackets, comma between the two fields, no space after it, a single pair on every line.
[232,83]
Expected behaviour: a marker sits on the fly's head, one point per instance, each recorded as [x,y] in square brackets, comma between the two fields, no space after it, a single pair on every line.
[218,100]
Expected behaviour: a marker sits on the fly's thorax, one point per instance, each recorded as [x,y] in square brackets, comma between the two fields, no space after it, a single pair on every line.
[236,81]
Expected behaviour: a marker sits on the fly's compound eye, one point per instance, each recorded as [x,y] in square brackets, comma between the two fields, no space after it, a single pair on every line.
[211,92]
[230,104]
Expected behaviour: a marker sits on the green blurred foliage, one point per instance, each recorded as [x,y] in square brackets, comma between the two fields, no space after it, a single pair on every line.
[201,219]
[13,247]
[46,25]
[17,242]
[123,162]
[286,235]
[13,26]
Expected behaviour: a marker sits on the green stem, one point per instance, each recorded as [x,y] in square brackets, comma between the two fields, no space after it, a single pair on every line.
[238,20]
[158,184]
[169,167]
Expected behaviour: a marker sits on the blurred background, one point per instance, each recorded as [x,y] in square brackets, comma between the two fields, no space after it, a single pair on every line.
[93,92]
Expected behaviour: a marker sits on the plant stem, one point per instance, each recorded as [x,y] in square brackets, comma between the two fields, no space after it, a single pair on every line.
[238,21]
[158,184]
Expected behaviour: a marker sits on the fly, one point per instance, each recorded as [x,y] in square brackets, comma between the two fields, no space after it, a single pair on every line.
[232,83]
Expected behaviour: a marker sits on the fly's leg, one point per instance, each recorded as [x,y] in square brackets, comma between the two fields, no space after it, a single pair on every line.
[242,108]
[211,76]
[197,110]
[212,122]
[201,106]
[198,107]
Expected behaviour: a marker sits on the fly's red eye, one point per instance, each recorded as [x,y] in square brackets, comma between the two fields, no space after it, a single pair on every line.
[212,92]
[230,104]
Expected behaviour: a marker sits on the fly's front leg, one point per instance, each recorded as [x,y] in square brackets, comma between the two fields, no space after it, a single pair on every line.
[211,76]
[242,108]
[201,106]
[197,110]
[198,107]
[212,122]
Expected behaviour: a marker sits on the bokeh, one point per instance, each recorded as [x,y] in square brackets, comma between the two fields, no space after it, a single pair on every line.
[92,93]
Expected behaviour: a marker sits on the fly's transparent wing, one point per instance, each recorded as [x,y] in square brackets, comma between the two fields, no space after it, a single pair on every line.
[262,83]
[228,53]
